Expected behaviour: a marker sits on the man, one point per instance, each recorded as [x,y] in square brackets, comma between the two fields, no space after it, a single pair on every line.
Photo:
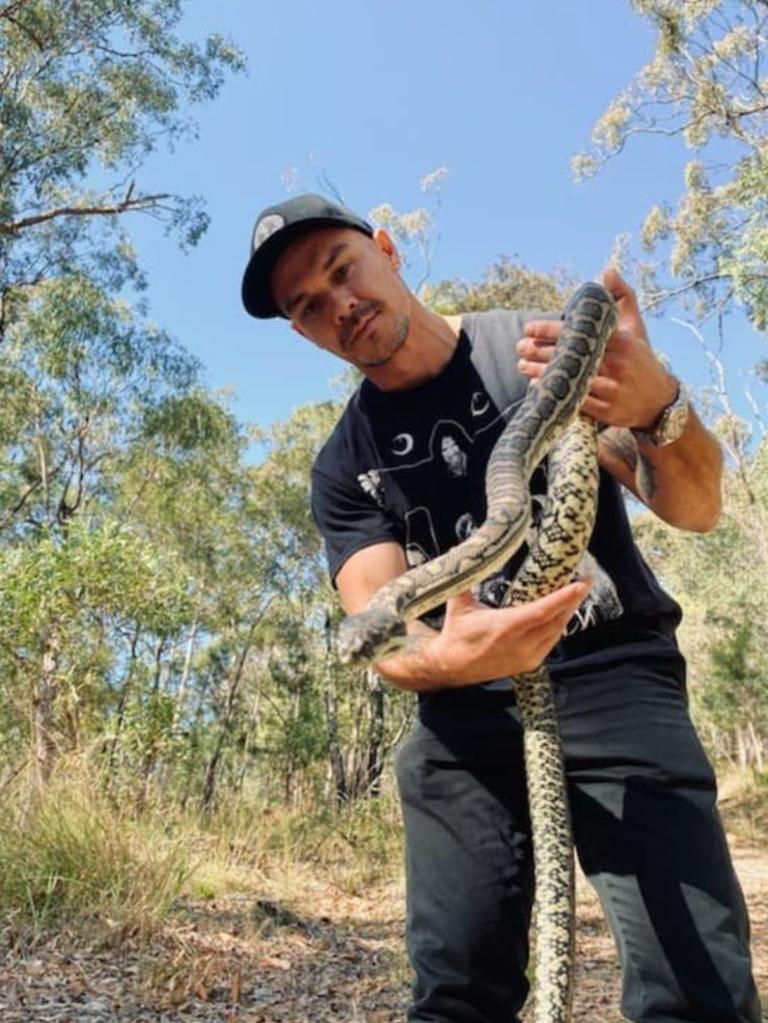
[400,480]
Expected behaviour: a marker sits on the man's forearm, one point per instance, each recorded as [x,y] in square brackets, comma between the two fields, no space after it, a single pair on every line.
[679,482]
[416,667]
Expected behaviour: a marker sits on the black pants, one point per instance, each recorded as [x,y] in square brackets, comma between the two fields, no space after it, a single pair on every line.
[648,835]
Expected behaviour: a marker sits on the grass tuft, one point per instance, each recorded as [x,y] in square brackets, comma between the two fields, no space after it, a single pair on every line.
[108,867]
[72,855]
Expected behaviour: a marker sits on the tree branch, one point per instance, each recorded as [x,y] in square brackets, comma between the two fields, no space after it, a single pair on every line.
[26,30]
[10,9]
[663,296]
[128,203]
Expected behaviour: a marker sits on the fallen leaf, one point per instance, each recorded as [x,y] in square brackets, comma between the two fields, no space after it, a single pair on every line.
[274,963]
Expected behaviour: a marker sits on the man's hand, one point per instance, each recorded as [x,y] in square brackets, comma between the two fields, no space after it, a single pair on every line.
[479,643]
[680,481]
[632,387]
[475,644]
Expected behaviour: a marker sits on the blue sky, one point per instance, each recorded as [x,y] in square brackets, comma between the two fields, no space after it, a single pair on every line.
[378,94]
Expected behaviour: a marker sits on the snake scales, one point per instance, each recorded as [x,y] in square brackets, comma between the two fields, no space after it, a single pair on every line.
[547,420]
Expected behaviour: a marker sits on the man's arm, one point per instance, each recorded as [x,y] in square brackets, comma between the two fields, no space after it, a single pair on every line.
[476,643]
[681,481]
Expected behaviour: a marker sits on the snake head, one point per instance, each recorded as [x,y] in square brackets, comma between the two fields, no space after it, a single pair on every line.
[369,636]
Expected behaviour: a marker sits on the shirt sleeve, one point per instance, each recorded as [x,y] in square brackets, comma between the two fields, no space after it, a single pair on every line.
[348,519]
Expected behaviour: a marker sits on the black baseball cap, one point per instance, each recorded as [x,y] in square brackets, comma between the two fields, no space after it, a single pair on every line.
[276,227]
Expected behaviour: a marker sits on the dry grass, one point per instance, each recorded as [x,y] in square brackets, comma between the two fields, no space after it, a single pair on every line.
[72,854]
[743,801]
[285,917]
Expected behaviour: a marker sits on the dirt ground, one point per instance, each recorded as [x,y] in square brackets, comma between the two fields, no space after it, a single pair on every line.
[312,951]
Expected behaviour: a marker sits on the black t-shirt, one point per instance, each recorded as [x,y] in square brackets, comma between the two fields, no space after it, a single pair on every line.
[410,466]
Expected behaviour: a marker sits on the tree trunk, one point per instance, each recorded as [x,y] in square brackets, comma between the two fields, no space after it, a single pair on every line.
[757,746]
[211,770]
[741,746]
[253,719]
[150,754]
[192,764]
[335,758]
[43,713]
[181,695]
[375,765]
[122,700]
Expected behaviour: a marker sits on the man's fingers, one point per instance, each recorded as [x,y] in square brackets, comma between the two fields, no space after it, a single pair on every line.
[603,389]
[461,602]
[596,409]
[535,349]
[533,370]
[597,404]
[549,330]
[554,606]
[617,286]
[544,621]
[535,353]
[629,310]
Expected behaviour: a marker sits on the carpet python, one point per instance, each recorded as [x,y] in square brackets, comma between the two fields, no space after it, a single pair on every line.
[547,421]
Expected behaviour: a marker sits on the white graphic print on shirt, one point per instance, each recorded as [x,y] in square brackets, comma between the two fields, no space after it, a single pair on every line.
[371,484]
[448,451]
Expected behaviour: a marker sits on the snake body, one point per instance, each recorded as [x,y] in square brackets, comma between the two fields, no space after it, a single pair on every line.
[562,537]
[547,419]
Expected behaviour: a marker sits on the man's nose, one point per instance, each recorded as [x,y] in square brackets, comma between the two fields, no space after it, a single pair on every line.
[344,305]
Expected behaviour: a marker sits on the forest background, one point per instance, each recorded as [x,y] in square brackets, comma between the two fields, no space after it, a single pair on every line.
[172,712]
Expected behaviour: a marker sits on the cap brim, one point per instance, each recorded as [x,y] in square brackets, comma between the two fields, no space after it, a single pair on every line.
[257,280]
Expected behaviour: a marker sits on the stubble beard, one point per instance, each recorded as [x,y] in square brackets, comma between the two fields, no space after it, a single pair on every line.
[393,344]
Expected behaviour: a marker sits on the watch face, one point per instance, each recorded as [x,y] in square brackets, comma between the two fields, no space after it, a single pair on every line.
[675,423]
[674,419]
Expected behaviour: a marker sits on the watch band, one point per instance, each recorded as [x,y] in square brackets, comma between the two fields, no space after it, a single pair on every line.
[671,422]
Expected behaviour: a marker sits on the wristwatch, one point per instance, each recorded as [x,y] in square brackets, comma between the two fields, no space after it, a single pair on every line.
[671,423]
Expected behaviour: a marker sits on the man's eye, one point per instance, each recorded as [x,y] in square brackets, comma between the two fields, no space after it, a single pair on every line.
[310,308]
[342,272]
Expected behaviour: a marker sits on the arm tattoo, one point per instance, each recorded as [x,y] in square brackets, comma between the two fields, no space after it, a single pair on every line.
[621,443]
[646,479]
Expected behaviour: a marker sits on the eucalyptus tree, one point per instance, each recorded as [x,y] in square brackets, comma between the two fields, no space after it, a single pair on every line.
[719,579]
[305,724]
[506,285]
[182,485]
[88,88]
[704,86]
[58,606]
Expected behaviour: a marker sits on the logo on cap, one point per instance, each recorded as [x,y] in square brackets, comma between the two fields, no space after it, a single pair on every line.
[267,227]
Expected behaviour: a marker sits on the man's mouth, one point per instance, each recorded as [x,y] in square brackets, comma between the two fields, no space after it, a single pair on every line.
[362,328]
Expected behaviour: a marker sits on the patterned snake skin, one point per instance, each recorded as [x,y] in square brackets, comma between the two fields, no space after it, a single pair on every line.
[562,537]
[546,420]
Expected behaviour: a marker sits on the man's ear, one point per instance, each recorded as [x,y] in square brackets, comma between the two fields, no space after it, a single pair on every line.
[384,241]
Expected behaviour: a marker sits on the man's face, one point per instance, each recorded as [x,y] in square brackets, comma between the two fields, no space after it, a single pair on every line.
[341,289]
